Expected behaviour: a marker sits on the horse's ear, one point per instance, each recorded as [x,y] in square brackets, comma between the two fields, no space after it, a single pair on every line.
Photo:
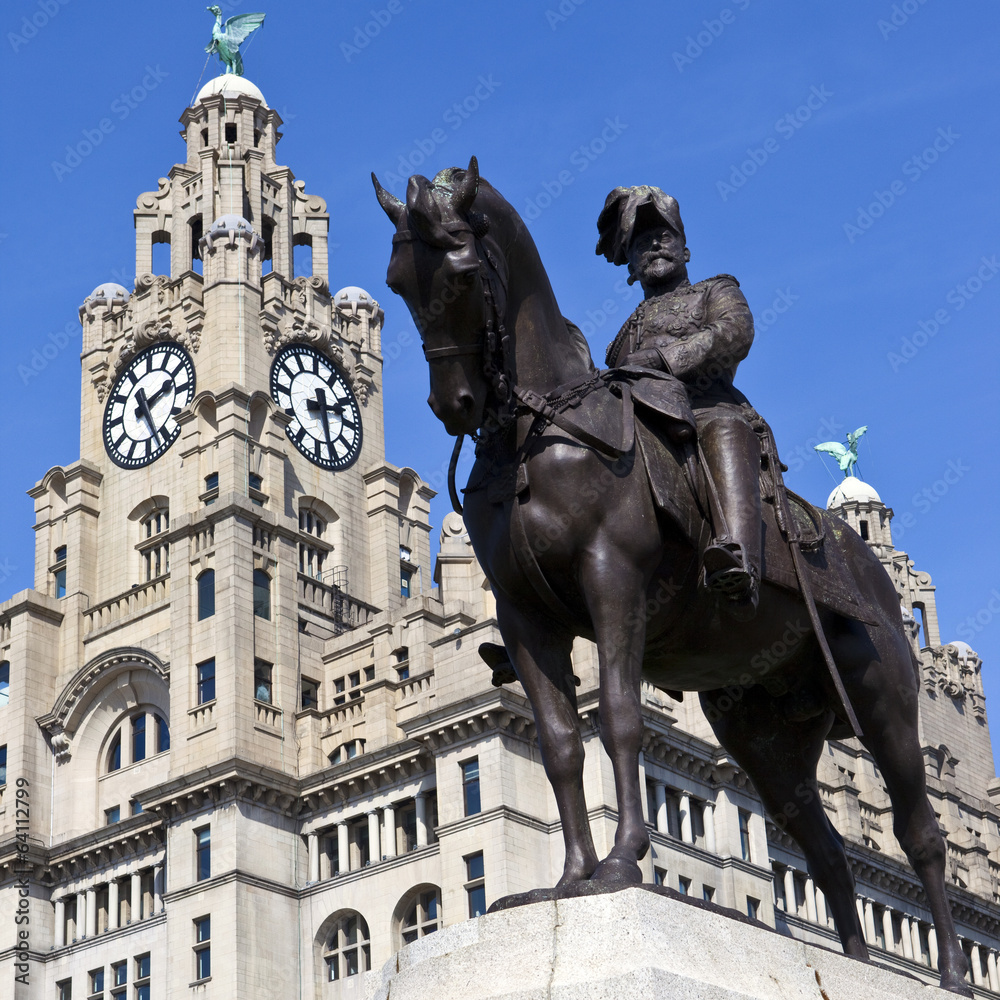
[391,205]
[467,188]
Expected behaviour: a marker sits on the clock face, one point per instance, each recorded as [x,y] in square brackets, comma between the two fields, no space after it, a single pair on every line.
[139,419]
[326,419]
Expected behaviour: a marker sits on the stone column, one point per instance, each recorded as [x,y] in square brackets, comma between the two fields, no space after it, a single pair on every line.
[374,841]
[389,831]
[136,898]
[977,966]
[687,834]
[158,888]
[791,904]
[918,951]
[822,916]
[81,915]
[343,849]
[810,895]
[312,840]
[991,969]
[662,823]
[905,937]
[60,928]
[870,934]
[113,904]
[933,945]
[860,905]
[91,912]
[420,801]
[709,822]
[890,939]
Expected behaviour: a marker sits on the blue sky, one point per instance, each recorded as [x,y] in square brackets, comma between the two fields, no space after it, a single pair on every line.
[841,159]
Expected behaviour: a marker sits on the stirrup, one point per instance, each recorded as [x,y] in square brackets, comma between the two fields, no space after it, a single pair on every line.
[731,577]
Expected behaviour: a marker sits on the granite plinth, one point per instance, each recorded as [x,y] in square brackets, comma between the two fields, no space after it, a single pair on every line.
[623,945]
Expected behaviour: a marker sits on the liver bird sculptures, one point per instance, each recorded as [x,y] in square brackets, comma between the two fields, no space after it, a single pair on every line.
[847,457]
[227,38]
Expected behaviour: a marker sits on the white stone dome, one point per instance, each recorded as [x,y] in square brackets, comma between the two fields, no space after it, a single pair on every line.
[232,86]
[226,222]
[351,293]
[853,490]
[964,650]
[108,290]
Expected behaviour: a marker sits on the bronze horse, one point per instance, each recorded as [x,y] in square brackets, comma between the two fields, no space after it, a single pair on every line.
[607,564]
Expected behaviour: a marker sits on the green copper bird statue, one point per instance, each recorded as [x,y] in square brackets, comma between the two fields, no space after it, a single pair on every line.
[227,38]
[847,457]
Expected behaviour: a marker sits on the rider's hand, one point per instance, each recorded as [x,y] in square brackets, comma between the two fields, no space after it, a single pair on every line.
[645,358]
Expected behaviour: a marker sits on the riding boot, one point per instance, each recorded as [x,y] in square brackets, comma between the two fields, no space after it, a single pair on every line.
[732,561]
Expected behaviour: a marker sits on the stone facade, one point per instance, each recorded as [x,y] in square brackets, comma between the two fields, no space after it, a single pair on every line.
[251,751]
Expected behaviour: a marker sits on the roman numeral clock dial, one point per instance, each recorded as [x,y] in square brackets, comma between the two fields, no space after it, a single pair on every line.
[139,418]
[326,419]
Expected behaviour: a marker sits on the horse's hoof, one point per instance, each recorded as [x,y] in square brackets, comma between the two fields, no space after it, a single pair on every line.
[577,873]
[617,871]
[953,982]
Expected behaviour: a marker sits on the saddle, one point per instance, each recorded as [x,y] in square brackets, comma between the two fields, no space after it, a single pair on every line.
[656,405]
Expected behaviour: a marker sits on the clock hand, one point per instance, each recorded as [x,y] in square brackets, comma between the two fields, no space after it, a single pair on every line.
[144,408]
[169,384]
[320,404]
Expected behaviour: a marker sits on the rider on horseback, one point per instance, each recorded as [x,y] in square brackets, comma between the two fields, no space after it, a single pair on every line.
[699,334]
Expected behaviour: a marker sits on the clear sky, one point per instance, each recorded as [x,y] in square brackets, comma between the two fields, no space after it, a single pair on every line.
[841,159]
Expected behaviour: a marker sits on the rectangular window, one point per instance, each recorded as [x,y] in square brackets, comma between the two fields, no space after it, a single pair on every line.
[310,693]
[262,681]
[113,815]
[659,876]
[119,980]
[202,948]
[4,683]
[60,581]
[211,493]
[206,594]
[64,990]
[3,764]
[684,886]
[97,982]
[402,663]
[162,735]
[138,738]
[405,578]
[142,966]
[134,807]
[475,887]
[206,681]
[745,834]
[203,853]
[470,787]
[753,907]
[708,894]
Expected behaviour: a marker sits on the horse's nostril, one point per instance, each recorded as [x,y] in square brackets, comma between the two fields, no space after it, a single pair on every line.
[466,402]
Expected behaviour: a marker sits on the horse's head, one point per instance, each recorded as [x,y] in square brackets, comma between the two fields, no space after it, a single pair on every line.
[436,269]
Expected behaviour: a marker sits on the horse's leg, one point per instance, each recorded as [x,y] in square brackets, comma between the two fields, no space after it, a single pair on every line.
[884,694]
[780,757]
[541,657]
[615,601]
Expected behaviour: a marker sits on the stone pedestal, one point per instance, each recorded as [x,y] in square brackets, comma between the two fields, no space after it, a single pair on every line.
[628,944]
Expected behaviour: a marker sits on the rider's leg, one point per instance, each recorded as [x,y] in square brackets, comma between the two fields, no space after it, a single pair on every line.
[732,454]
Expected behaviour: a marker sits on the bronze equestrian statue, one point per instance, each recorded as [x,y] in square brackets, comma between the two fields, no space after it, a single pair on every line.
[589,511]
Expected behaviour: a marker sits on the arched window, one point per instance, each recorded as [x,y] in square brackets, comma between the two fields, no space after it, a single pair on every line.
[206,594]
[422,916]
[153,546]
[302,255]
[348,949]
[160,252]
[115,753]
[261,594]
[162,734]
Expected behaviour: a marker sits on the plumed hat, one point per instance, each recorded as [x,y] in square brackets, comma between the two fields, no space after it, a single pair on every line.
[630,210]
